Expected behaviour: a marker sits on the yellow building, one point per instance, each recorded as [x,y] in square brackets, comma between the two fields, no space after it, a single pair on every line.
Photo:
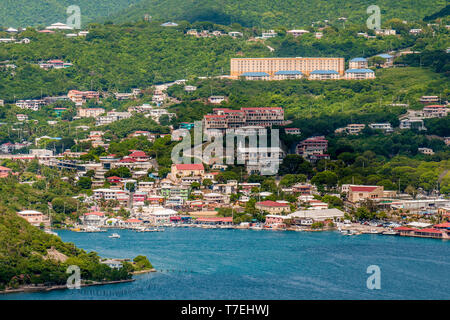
[273,65]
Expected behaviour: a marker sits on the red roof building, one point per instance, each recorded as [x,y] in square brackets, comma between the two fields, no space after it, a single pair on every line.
[184,170]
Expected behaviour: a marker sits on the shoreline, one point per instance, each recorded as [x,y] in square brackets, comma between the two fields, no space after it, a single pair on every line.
[144,271]
[31,289]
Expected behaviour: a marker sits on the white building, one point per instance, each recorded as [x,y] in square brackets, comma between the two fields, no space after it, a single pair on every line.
[359,74]
[386,127]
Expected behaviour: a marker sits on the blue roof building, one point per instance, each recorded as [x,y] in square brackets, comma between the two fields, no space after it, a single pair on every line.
[359,74]
[255,75]
[324,75]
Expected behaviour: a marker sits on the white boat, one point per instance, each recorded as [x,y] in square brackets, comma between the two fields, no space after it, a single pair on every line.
[390,233]
[114,235]
[256,228]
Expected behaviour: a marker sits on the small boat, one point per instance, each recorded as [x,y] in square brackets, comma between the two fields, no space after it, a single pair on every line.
[114,235]
[390,233]
[256,228]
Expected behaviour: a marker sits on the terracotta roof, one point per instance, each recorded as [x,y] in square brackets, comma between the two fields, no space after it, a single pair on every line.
[442,225]
[195,166]
[137,154]
[363,188]
[94,213]
[404,229]
[269,203]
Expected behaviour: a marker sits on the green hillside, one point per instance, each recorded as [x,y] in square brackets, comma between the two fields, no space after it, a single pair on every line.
[22,13]
[272,13]
[262,13]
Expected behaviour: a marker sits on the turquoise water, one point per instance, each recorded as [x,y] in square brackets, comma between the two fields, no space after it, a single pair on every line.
[245,264]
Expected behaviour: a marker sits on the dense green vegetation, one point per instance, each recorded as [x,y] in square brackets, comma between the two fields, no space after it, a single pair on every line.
[27,256]
[120,57]
[23,13]
[350,100]
[273,13]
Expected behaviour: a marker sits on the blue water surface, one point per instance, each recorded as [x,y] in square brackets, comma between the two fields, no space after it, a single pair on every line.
[195,263]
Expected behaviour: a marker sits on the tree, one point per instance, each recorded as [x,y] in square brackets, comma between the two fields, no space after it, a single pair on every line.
[411,191]
[293,164]
[84,183]
[207,183]
[325,178]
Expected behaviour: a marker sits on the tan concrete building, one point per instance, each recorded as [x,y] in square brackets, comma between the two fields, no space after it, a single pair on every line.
[359,193]
[273,65]
[272,207]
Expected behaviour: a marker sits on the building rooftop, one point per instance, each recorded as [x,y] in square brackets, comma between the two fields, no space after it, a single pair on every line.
[288,72]
[359,71]
[254,74]
[324,72]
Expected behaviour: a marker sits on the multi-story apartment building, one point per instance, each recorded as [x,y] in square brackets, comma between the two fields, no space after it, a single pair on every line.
[312,146]
[34,105]
[435,111]
[270,66]
[359,74]
[324,75]
[429,99]
[412,123]
[80,97]
[386,127]
[358,63]
[90,112]
[353,128]
[111,117]
[223,118]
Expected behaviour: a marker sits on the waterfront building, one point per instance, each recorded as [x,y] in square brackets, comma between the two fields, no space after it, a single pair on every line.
[272,207]
[308,217]
[359,193]
[94,219]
